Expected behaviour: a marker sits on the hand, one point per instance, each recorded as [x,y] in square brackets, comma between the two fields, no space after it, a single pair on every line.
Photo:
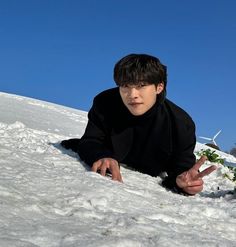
[108,163]
[191,181]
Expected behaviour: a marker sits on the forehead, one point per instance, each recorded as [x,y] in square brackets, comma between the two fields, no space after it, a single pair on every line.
[134,84]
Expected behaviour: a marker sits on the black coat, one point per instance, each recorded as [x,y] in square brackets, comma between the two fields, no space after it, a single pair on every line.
[162,139]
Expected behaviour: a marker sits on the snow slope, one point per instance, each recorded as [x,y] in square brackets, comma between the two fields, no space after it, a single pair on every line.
[49,198]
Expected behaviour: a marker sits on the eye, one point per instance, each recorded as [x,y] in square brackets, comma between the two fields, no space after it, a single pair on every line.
[142,85]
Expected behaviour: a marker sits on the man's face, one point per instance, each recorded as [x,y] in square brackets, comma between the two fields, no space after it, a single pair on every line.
[140,98]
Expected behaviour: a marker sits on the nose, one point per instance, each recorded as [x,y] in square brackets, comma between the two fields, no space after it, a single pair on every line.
[133,93]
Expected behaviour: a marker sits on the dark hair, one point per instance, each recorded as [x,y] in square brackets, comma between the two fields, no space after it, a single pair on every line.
[136,68]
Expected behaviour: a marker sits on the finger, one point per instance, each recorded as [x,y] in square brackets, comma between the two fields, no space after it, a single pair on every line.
[104,166]
[193,183]
[182,180]
[207,171]
[117,176]
[193,190]
[199,163]
[96,166]
[115,171]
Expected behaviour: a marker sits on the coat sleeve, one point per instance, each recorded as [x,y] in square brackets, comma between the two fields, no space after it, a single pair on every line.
[183,157]
[95,144]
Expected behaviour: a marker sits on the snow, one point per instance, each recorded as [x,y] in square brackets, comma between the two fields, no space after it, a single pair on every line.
[48,197]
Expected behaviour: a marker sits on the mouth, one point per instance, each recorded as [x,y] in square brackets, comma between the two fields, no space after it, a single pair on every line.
[134,103]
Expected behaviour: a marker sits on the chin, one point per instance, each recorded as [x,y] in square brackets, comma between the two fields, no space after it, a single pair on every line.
[136,113]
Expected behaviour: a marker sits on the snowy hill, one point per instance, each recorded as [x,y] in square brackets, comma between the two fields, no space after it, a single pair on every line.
[49,198]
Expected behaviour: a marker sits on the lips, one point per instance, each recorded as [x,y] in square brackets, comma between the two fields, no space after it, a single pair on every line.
[134,103]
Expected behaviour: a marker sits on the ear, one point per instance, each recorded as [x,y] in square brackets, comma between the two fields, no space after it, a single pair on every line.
[159,87]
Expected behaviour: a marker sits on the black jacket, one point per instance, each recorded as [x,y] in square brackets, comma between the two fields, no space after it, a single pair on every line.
[162,139]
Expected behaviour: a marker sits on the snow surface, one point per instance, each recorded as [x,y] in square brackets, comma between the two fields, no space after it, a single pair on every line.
[48,197]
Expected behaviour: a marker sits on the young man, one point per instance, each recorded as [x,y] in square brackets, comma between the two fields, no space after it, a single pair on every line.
[136,125]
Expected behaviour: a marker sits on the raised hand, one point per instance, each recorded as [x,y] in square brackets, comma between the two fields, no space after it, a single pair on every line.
[191,181]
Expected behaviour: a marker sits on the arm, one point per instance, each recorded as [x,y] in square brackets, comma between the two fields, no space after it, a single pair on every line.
[95,146]
[183,158]
[184,177]
[95,143]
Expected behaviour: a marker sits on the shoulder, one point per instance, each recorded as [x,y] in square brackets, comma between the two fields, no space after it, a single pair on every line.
[107,96]
[109,103]
[178,113]
[108,93]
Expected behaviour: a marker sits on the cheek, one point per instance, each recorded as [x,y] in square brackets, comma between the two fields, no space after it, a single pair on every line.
[123,97]
[151,98]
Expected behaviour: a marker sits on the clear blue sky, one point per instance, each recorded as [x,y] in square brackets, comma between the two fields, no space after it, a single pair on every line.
[64,52]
